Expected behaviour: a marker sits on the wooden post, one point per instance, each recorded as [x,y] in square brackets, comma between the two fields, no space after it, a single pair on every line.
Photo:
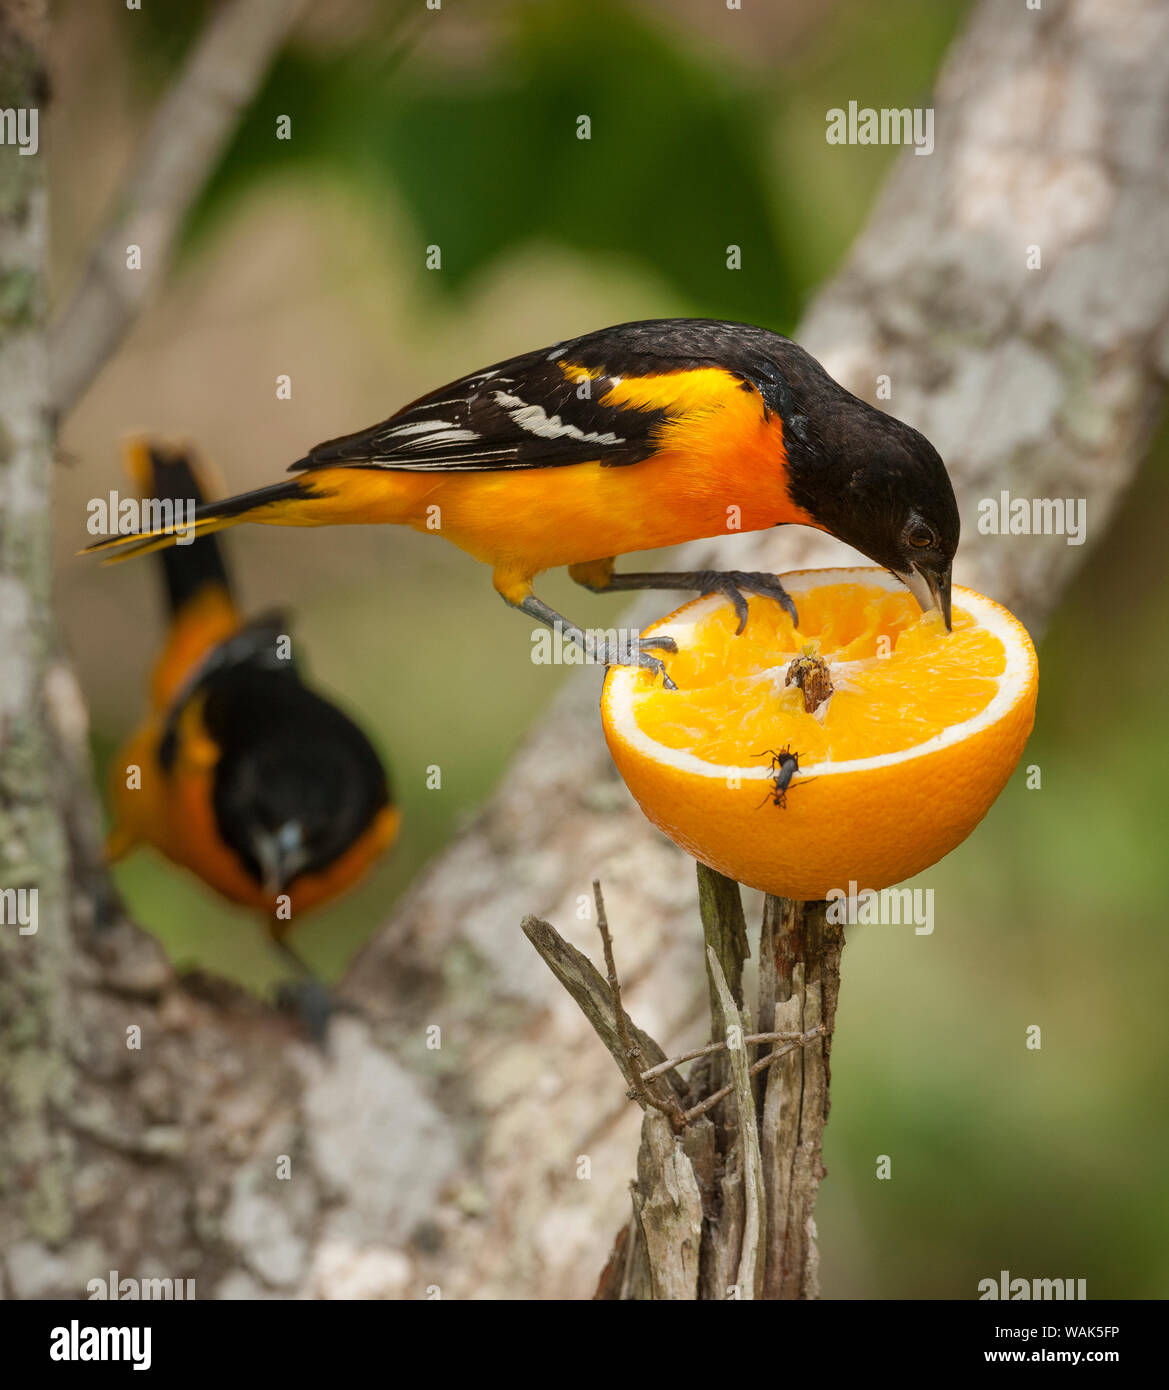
[730,1159]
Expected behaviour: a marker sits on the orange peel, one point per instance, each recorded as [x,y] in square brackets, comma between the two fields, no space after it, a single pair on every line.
[896,767]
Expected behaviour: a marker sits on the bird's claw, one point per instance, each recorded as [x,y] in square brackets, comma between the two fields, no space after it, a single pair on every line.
[648,662]
[657,666]
[618,654]
[736,584]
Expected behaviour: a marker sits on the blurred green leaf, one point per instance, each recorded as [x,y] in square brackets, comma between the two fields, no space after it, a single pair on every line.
[485,161]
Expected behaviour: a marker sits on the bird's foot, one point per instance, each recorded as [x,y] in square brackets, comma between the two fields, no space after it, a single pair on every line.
[312,1004]
[624,652]
[736,584]
[626,648]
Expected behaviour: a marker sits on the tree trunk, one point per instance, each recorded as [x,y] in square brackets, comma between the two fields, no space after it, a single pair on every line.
[459,1168]
[36,1168]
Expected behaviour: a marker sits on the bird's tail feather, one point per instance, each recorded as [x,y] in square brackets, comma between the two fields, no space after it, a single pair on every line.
[172,474]
[192,556]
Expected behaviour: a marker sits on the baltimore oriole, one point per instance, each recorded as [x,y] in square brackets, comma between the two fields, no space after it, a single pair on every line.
[240,772]
[630,438]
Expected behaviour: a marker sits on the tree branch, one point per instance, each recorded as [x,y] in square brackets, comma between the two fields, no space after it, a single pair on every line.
[750,1275]
[186,137]
[601,1005]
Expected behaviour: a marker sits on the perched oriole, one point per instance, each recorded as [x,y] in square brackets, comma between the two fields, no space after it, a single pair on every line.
[630,438]
[240,772]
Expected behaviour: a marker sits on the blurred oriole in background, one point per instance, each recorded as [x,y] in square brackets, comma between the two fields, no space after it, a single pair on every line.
[634,437]
[240,772]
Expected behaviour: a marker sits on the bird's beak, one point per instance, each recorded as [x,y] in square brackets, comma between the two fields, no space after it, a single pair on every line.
[281,855]
[931,588]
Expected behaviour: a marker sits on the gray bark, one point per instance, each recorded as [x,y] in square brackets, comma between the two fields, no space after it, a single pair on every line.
[35,989]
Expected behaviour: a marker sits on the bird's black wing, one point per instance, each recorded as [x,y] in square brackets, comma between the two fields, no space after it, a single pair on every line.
[254,646]
[522,413]
[546,408]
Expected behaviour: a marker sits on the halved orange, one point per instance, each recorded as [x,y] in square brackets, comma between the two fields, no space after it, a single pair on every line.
[896,768]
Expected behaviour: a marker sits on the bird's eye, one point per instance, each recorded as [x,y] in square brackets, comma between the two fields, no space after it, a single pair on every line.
[922,536]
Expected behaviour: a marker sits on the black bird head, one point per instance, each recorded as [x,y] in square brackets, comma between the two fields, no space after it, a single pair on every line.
[297,783]
[868,478]
[889,496]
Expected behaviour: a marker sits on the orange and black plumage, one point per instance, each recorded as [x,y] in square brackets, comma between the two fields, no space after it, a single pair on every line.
[240,772]
[635,437]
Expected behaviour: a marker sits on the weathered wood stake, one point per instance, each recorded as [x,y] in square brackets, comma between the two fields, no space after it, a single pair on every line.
[731,1157]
